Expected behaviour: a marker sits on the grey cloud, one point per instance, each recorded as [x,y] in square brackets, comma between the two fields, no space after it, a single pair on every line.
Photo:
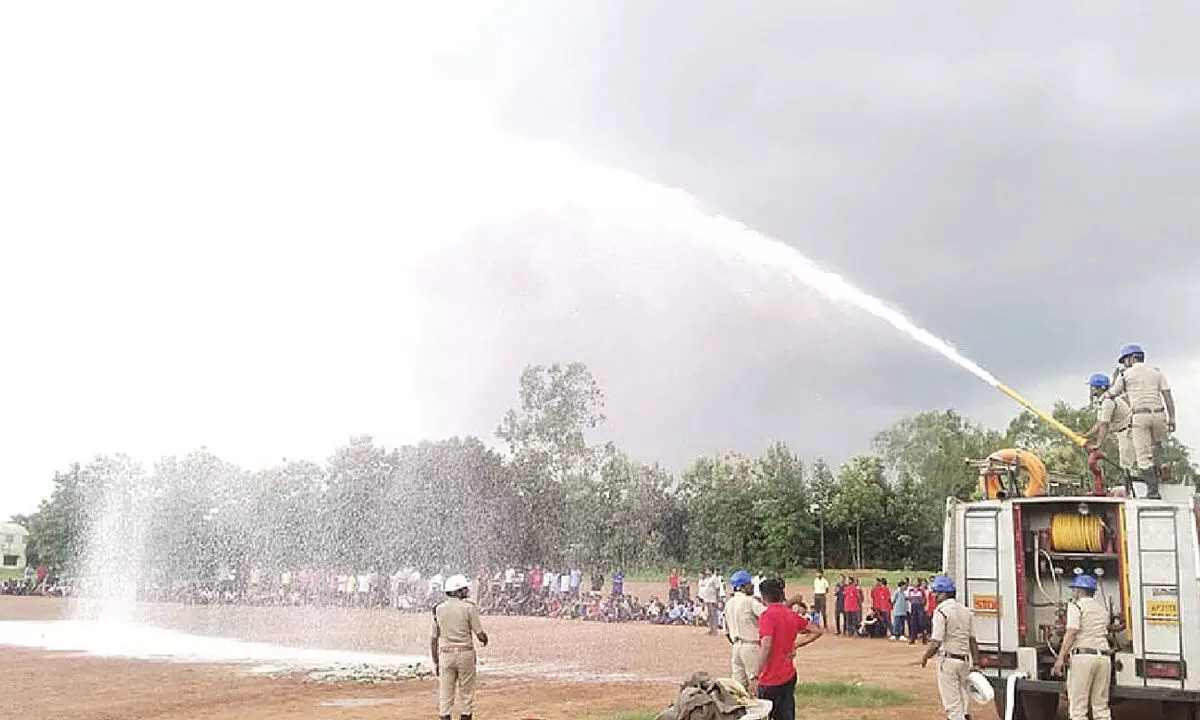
[1019,180]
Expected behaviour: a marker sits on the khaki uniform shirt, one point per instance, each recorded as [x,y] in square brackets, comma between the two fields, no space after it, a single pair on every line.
[1089,618]
[456,622]
[1142,385]
[1116,412]
[741,617]
[952,627]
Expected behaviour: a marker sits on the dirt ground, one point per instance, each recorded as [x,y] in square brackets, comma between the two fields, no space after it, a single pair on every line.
[584,658]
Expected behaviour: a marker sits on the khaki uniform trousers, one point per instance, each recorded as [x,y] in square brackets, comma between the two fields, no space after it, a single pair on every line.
[952,686]
[1087,684]
[457,673]
[745,662]
[1149,429]
[1127,456]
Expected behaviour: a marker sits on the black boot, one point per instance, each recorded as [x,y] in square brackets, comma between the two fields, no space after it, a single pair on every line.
[464,717]
[1150,477]
[1129,478]
[443,717]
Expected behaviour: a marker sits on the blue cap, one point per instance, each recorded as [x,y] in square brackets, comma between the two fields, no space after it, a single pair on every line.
[1131,349]
[740,578]
[942,583]
[1099,380]
[1084,582]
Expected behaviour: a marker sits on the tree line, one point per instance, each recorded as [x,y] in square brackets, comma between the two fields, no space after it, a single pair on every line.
[553,498]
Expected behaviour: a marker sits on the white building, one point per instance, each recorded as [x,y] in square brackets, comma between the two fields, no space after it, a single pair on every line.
[13,539]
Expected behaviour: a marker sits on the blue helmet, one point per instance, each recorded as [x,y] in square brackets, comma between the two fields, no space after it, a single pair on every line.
[1130,349]
[1099,380]
[942,583]
[740,578]
[1084,581]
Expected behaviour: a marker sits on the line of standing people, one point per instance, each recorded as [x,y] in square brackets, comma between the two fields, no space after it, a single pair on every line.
[913,605]
[905,612]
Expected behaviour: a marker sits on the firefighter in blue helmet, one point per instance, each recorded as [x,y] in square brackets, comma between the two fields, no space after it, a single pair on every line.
[1085,647]
[742,611]
[1153,409]
[1113,417]
[953,641]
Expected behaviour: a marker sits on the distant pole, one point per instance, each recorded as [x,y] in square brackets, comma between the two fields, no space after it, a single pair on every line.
[821,519]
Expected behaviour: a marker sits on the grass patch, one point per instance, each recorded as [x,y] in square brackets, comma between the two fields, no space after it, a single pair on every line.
[848,695]
[11,574]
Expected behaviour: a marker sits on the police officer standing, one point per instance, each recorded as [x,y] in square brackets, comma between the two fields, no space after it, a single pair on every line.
[741,627]
[455,626]
[1153,408]
[1086,644]
[1113,417]
[954,642]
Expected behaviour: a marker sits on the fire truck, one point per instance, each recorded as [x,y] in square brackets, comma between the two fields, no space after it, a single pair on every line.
[1013,557]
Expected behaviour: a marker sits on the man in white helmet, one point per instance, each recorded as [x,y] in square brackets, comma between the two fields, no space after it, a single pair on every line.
[455,626]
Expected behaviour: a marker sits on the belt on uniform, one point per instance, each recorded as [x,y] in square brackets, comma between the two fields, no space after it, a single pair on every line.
[1144,411]
[952,656]
[1088,651]
[739,641]
[456,649]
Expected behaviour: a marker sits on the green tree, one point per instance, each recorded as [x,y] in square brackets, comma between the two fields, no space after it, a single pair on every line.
[554,465]
[719,494]
[933,447]
[451,508]
[1029,432]
[786,529]
[558,405]
[57,529]
[359,477]
[860,501]
[913,518]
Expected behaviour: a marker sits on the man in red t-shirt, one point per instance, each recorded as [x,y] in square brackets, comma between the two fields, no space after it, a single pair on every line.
[881,603]
[673,585]
[852,604]
[781,632]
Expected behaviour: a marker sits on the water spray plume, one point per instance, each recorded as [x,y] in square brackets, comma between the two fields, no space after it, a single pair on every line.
[730,237]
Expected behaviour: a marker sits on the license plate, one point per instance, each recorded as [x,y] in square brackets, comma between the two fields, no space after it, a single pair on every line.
[1162,611]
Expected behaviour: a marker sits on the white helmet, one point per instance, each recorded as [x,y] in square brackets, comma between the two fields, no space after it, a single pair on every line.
[456,582]
[980,689]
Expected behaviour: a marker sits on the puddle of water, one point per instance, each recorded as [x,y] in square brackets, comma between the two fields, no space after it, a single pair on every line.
[128,640]
[144,642]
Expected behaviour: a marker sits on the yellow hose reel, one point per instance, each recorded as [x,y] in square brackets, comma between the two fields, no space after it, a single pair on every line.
[1071,532]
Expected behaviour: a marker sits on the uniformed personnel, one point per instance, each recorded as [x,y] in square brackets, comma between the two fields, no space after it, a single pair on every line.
[456,624]
[953,641]
[1113,417]
[1086,645]
[1153,409]
[741,627]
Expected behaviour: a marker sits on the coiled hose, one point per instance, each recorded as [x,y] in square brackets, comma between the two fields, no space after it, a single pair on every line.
[1071,532]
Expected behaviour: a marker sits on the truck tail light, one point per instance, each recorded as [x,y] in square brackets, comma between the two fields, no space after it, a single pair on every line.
[1003,660]
[1164,669]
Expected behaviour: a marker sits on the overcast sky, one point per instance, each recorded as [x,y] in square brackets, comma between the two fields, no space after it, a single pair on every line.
[266,227]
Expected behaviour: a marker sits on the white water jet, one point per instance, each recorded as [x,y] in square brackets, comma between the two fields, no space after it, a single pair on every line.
[115,524]
[508,174]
